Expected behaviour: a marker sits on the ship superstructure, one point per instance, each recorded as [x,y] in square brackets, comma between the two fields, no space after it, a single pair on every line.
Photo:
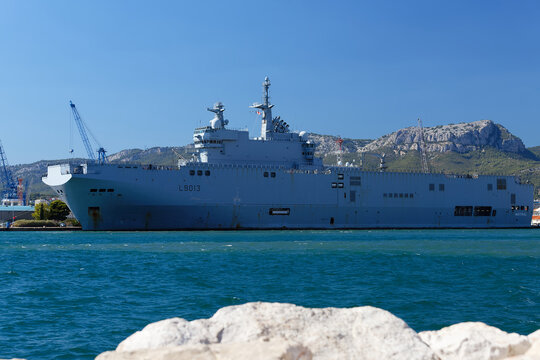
[274,181]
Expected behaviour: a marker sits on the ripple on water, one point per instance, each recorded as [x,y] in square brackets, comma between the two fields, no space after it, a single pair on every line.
[74,295]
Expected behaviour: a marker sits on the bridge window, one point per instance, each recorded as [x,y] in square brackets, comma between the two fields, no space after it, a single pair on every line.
[207,173]
[93,190]
[501,184]
[191,172]
[334,185]
[340,185]
[340,176]
[441,187]
[199,172]
[490,187]
[272,174]
[431,187]
[411,195]
[110,190]
[102,190]
[265,174]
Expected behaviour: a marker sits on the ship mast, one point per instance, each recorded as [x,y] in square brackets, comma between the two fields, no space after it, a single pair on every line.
[422,147]
[267,124]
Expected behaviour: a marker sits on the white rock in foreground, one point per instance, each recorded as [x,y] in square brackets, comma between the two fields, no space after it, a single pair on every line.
[273,331]
[475,341]
[295,332]
[270,350]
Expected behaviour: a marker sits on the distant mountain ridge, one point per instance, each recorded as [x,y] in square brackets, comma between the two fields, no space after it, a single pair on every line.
[481,147]
[461,138]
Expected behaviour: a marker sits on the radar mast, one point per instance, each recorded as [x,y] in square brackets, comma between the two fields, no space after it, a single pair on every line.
[267,123]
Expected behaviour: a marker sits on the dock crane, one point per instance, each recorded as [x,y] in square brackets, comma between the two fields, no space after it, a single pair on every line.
[11,189]
[82,130]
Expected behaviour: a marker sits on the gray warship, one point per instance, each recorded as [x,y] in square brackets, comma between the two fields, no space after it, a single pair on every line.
[275,181]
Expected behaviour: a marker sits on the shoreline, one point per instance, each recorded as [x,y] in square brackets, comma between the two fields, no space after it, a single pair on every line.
[59,228]
[166,230]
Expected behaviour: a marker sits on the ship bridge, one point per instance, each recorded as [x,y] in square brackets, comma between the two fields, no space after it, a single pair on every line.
[276,146]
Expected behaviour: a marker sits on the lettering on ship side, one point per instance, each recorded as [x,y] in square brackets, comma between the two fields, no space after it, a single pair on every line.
[189,187]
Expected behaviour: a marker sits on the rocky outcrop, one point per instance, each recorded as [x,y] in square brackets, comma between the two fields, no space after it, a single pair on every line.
[454,137]
[474,340]
[284,331]
[327,144]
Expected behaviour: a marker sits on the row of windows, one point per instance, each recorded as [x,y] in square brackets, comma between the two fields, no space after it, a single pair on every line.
[272,174]
[522,207]
[337,185]
[476,211]
[208,141]
[398,195]
[199,172]
[432,187]
[101,190]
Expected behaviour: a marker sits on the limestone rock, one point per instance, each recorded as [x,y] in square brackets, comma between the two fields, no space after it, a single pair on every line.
[534,351]
[329,333]
[270,350]
[475,341]
[460,138]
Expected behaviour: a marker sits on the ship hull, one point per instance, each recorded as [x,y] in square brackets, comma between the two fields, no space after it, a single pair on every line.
[199,196]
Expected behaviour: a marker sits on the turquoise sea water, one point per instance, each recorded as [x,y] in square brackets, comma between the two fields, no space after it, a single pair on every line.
[74,295]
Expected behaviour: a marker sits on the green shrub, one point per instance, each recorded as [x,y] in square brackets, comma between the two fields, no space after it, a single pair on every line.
[41,212]
[34,223]
[72,222]
[58,210]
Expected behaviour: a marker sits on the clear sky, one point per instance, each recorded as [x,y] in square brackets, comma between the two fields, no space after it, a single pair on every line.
[143,72]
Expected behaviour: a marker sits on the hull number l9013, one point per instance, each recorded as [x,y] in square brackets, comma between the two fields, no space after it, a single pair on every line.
[189,187]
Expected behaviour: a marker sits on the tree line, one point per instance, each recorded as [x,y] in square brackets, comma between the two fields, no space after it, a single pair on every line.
[56,210]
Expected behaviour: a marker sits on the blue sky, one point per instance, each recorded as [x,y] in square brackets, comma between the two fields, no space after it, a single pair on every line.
[143,72]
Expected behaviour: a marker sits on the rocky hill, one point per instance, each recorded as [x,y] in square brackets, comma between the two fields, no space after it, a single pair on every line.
[477,147]
[459,138]
[327,144]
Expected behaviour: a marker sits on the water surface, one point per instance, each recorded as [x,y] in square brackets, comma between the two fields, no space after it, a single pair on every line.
[74,295]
